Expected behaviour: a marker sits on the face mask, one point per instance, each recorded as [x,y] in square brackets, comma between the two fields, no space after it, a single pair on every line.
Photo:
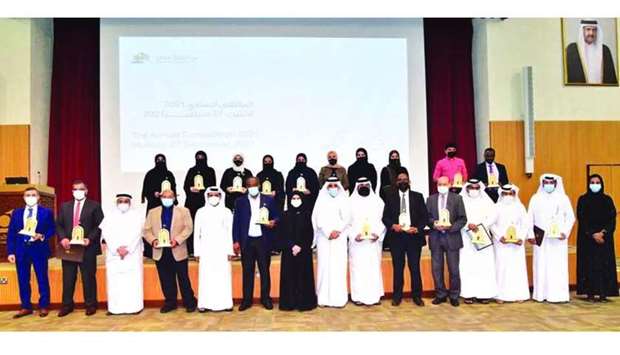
[394,162]
[238,162]
[296,203]
[364,191]
[268,166]
[201,162]
[160,163]
[300,163]
[595,188]
[213,200]
[332,161]
[333,191]
[548,188]
[474,193]
[403,186]
[167,202]
[79,194]
[253,191]
[123,207]
[451,154]
[442,189]
[508,199]
[362,159]
[31,200]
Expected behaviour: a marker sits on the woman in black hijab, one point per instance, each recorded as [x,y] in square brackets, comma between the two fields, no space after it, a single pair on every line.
[269,173]
[297,291]
[362,168]
[301,169]
[596,257]
[389,173]
[151,186]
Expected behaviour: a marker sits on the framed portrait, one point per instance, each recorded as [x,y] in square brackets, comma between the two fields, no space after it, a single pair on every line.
[590,51]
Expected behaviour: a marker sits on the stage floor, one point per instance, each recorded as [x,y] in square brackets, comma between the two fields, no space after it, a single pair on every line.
[529,316]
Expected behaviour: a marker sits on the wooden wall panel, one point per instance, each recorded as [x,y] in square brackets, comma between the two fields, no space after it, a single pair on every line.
[562,147]
[14,151]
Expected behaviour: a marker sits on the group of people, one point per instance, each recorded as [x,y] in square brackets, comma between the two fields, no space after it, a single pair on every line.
[477,226]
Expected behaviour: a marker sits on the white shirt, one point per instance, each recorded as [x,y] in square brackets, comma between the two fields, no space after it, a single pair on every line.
[255,229]
[489,172]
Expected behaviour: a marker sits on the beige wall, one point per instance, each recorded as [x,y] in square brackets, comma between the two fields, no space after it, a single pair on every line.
[15,71]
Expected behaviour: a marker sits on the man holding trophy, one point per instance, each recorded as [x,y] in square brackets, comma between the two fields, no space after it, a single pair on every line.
[30,229]
[446,218]
[77,227]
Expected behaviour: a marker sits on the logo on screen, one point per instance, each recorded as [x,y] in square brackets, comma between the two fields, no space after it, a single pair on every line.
[140,58]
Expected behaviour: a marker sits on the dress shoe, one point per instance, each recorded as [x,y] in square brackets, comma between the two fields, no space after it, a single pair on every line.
[64,311]
[191,309]
[267,304]
[43,312]
[454,302]
[418,301]
[22,313]
[438,300]
[244,306]
[166,309]
[203,310]
[483,301]
[469,301]
[91,310]
[396,302]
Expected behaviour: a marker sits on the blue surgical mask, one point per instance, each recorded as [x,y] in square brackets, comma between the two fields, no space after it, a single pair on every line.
[333,192]
[253,191]
[549,188]
[595,188]
[167,202]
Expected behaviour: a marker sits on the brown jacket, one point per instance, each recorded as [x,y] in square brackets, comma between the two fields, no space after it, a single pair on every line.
[182,227]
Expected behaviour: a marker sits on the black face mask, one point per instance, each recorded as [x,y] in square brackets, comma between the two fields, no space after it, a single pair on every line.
[456,190]
[451,154]
[394,162]
[300,164]
[160,164]
[362,159]
[403,186]
[267,166]
[332,161]
[238,162]
[201,162]
[364,191]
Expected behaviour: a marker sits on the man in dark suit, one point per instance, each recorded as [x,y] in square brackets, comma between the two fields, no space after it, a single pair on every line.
[489,168]
[88,214]
[445,239]
[28,246]
[254,239]
[405,216]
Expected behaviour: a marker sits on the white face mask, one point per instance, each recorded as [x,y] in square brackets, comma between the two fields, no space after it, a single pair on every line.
[442,189]
[332,191]
[123,207]
[31,200]
[296,203]
[508,199]
[474,193]
[213,200]
[79,194]
[253,191]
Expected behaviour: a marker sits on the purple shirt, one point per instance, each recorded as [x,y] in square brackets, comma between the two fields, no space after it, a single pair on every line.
[448,167]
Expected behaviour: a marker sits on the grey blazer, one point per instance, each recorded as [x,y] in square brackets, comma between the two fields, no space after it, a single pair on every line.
[458,219]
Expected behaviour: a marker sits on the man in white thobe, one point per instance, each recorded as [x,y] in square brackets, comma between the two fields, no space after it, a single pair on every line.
[330,220]
[366,244]
[213,244]
[477,267]
[510,263]
[551,211]
[121,231]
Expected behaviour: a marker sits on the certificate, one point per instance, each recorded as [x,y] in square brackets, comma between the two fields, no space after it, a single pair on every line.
[481,238]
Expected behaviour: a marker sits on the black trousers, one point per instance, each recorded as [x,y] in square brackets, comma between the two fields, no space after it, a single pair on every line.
[170,271]
[254,252]
[403,245]
[439,253]
[88,270]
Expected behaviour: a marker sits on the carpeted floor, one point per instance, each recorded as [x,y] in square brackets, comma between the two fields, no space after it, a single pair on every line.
[530,316]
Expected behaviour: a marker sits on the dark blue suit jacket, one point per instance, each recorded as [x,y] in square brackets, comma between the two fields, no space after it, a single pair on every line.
[16,243]
[241,220]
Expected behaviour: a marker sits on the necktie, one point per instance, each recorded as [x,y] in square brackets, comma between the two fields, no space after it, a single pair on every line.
[403,204]
[443,201]
[29,212]
[491,168]
[76,214]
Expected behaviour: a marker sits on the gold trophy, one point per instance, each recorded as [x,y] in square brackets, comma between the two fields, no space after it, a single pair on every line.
[301,184]
[493,180]
[77,236]
[366,233]
[404,221]
[263,215]
[165,186]
[478,237]
[30,228]
[444,218]
[266,188]
[199,182]
[511,235]
[457,181]
[163,238]
[554,231]
[237,185]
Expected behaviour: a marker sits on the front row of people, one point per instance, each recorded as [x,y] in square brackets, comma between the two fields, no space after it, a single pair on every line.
[483,244]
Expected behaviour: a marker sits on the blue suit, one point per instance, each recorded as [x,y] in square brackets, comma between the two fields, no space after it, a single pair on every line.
[29,254]
[254,250]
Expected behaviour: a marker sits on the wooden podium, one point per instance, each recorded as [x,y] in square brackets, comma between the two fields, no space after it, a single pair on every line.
[11,197]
